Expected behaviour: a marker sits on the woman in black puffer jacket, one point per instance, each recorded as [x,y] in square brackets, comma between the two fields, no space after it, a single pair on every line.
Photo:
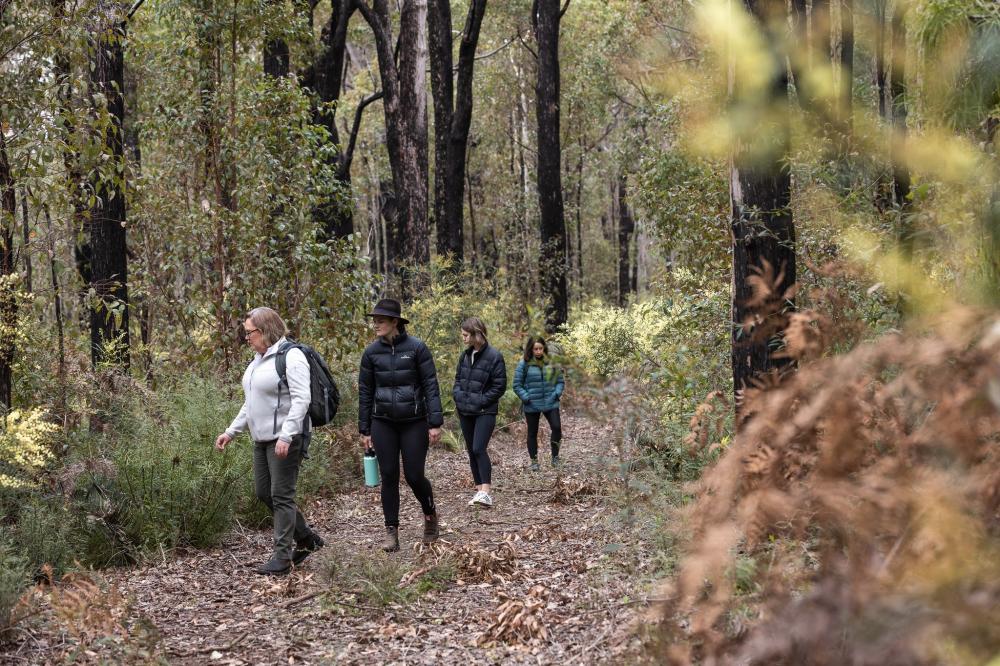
[480,381]
[399,413]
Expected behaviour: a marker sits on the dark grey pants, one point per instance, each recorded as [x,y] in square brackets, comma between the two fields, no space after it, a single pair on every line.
[274,483]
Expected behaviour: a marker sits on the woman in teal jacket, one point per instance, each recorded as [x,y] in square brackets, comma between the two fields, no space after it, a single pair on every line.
[539,384]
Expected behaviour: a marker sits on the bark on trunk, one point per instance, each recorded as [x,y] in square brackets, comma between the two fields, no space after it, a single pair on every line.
[26,242]
[452,118]
[626,228]
[8,276]
[326,77]
[897,86]
[847,66]
[760,196]
[552,274]
[880,82]
[109,316]
[405,107]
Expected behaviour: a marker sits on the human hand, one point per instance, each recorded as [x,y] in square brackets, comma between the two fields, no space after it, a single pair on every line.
[281,448]
[366,441]
[435,435]
[221,441]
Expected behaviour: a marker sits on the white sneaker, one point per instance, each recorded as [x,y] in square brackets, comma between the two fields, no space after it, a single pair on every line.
[476,497]
[483,499]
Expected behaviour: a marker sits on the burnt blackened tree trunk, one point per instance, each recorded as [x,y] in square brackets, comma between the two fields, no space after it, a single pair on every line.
[326,78]
[404,103]
[546,16]
[109,314]
[452,119]
[8,275]
[847,66]
[760,194]
[626,229]
[879,66]
[897,89]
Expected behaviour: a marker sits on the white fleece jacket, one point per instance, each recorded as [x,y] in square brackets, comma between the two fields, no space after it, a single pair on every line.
[272,411]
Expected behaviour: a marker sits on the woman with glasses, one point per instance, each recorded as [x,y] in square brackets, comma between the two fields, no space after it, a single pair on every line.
[399,414]
[276,414]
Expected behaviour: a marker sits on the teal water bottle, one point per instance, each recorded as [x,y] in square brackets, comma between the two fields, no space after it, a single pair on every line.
[371,468]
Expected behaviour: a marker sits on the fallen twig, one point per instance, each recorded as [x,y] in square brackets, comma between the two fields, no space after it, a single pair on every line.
[215,648]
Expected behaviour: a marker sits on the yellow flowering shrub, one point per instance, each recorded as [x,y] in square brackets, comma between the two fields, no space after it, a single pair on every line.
[25,447]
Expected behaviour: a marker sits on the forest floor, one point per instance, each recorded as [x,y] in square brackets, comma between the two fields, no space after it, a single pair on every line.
[549,575]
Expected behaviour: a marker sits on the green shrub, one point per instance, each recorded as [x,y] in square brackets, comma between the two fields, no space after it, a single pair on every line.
[47,532]
[676,347]
[14,579]
[378,579]
[169,486]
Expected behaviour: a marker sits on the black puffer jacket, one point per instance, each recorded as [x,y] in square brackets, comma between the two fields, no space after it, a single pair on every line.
[479,386]
[398,382]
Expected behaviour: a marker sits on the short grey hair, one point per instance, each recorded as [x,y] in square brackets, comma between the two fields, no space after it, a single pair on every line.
[272,326]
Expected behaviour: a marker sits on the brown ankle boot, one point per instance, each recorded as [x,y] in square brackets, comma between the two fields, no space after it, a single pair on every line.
[391,543]
[430,528]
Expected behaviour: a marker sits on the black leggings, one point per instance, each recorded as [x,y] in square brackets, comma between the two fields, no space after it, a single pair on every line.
[552,416]
[409,439]
[477,430]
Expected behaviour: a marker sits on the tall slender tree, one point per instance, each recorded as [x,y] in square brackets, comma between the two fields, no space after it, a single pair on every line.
[546,16]
[404,104]
[326,77]
[897,89]
[8,275]
[452,118]
[626,229]
[847,64]
[763,232]
[109,312]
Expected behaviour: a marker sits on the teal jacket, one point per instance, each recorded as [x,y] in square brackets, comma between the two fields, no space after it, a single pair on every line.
[538,385]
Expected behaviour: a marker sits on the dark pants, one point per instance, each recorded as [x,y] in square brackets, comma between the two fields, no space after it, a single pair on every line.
[477,430]
[274,483]
[410,441]
[552,416]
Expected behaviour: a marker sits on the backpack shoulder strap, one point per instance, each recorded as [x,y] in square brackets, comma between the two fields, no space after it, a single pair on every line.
[280,364]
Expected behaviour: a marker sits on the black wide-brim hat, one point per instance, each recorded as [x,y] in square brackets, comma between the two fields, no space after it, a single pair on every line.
[388,307]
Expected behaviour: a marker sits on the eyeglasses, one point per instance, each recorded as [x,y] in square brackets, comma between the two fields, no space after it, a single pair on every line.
[250,332]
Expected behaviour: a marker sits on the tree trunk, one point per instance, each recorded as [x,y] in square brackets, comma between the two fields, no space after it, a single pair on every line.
[452,119]
[626,227]
[847,66]
[26,244]
[897,87]
[57,304]
[8,274]
[326,77]
[552,274]
[405,107]
[760,195]
[109,316]
[880,83]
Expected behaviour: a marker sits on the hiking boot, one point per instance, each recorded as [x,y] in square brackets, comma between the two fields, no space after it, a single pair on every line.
[391,543]
[534,465]
[307,547]
[275,567]
[431,530]
[555,461]
[483,499]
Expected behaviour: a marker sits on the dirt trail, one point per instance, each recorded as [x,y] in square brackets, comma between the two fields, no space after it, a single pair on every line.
[209,606]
